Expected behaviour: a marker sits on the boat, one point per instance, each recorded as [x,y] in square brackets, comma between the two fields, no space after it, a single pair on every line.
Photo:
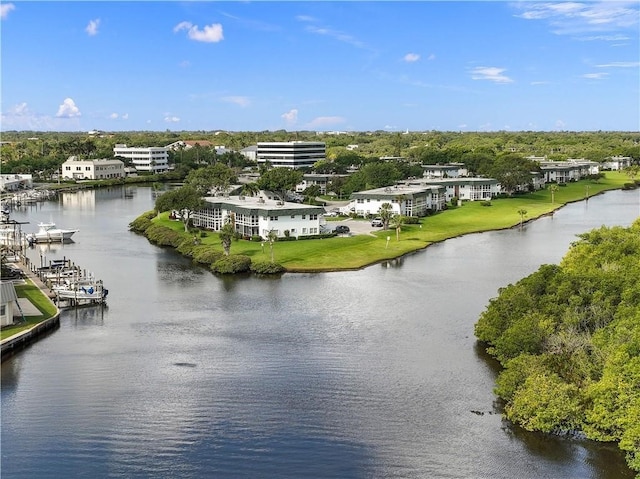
[85,291]
[50,233]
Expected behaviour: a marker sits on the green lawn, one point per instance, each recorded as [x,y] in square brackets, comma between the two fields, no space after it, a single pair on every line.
[341,253]
[39,300]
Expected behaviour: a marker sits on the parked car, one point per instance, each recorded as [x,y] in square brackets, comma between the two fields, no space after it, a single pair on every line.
[342,229]
[377,222]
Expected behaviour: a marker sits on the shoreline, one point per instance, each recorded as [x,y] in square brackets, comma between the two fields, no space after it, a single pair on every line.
[364,250]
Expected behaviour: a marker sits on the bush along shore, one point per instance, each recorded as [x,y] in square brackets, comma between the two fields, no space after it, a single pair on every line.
[331,253]
[568,338]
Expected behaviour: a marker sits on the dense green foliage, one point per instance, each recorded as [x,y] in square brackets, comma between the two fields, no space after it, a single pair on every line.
[42,153]
[266,267]
[568,337]
[231,264]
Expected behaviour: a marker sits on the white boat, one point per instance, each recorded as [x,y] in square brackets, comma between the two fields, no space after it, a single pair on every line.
[50,233]
[81,292]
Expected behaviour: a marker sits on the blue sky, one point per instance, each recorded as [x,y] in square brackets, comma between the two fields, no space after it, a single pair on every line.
[325,66]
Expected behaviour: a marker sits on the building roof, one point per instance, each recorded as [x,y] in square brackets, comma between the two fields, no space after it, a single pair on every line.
[8,292]
[409,190]
[259,205]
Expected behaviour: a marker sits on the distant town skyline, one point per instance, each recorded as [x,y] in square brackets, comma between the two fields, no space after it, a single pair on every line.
[320,66]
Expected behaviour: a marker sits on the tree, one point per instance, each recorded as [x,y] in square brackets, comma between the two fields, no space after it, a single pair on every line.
[397,221]
[185,200]
[272,237]
[216,177]
[250,189]
[553,189]
[280,180]
[226,233]
[522,212]
[386,213]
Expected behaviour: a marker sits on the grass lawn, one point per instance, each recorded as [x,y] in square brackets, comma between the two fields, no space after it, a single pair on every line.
[341,253]
[39,300]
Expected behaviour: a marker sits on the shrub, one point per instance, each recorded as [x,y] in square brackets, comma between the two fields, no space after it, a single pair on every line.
[206,254]
[629,186]
[257,238]
[266,267]
[234,263]
[142,222]
[163,236]
[411,220]
[186,247]
[486,203]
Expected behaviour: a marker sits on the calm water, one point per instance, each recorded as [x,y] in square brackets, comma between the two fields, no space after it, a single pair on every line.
[364,374]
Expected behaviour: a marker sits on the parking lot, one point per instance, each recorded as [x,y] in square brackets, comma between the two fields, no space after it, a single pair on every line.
[356,227]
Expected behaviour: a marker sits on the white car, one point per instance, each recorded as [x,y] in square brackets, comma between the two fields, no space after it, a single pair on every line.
[377,222]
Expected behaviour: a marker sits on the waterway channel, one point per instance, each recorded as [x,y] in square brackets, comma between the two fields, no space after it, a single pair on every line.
[361,374]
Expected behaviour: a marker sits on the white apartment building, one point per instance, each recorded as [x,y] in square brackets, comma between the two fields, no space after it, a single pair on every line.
[469,189]
[405,199]
[76,169]
[152,159]
[259,215]
[291,154]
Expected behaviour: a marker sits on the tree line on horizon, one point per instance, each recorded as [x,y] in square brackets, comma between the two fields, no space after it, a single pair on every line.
[501,155]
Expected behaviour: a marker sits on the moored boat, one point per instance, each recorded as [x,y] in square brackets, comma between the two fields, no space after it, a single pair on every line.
[50,233]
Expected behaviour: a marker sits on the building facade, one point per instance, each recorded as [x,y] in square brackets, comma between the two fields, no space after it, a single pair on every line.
[152,159]
[468,189]
[290,154]
[75,169]
[259,215]
[405,199]
[15,182]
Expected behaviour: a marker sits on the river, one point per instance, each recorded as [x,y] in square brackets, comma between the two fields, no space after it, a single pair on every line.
[361,374]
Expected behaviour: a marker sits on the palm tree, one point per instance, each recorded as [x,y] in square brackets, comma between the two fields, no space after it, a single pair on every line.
[226,234]
[553,189]
[272,237]
[522,212]
[386,213]
[397,221]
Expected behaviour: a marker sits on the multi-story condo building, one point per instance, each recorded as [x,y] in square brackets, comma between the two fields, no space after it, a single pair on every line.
[291,154]
[405,199]
[76,169]
[259,215]
[152,159]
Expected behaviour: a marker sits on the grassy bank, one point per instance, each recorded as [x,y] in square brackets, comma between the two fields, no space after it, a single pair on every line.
[341,253]
[39,300]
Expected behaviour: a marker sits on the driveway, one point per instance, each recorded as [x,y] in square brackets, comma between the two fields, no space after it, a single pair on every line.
[356,227]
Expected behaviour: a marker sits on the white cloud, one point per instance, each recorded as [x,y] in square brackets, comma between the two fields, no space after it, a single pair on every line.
[595,76]
[92,27]
[125,116]
[462,126]
[619,65]
[113,116]
[171,119]
[411,57]
[242,101]
[305,18]
[326,121]
[573,18]
[210,34]
[68,109]
[493,74]
[431,57]
[560,125]
[291,117]
[5,8]
[343,37]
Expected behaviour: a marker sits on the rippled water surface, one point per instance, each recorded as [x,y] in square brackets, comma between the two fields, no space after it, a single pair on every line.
[372,373]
